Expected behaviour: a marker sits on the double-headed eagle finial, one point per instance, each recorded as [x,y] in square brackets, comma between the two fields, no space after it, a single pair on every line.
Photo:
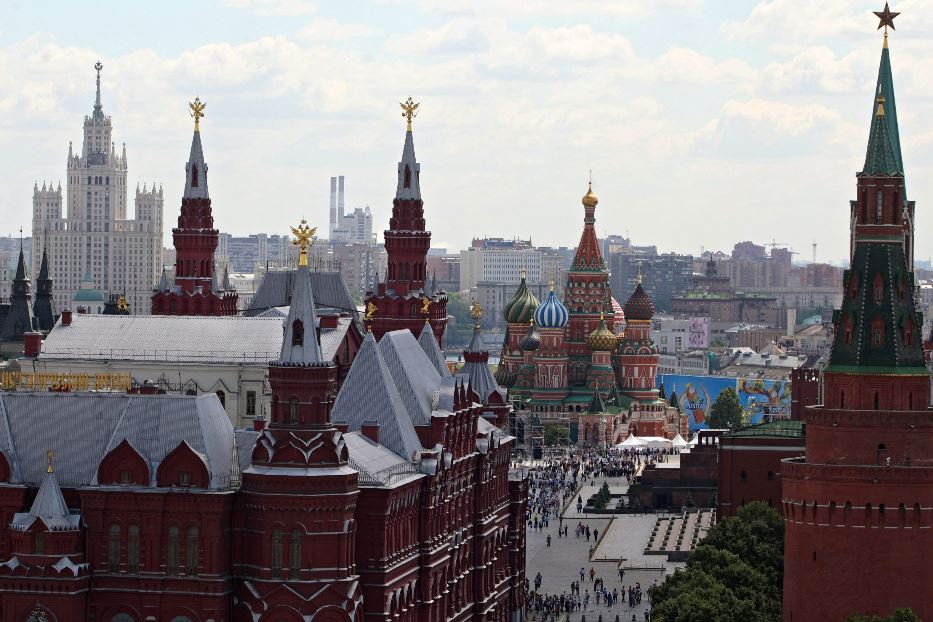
[409,110]
[197,111]
[303,234]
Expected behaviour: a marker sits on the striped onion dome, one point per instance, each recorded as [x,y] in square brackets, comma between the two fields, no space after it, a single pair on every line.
[551,313]
[521,307]
[639,305]
[618,314]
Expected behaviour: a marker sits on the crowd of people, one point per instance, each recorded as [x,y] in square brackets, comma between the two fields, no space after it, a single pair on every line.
[555,483]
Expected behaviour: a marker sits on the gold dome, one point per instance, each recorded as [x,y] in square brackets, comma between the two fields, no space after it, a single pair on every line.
[601,339]
[590,199]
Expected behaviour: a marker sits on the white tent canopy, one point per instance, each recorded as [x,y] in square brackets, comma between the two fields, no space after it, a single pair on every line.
[632,441]
[656,441]
[678,441]
[645,441]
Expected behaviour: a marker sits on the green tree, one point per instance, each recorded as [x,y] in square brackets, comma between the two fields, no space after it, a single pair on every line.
[726,411]
[460,330]
[735,574]
[901,615]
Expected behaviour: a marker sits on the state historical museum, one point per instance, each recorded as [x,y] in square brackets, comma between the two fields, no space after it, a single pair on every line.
[391,499]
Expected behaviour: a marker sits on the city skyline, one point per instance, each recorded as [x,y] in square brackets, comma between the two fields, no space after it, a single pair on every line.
[731,104]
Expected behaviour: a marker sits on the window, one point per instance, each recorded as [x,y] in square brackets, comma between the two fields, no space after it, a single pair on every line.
[113,548]
[298,333]
[293,410]
[294,555]
[277,553]
[879,198]
[223,398]
[132,549]
[184,478]
[194,175]
[126,477]
[743,476]
[250,403]
[171,562]
[40,543]
[191,551]
[770,475]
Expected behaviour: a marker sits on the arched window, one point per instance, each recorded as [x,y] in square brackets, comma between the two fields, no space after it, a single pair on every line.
[842,398]
[770,475]
[879,200]
[877,332]
[277,553]
[407,182]
[876,400]
[293,410]
[132,549]
[194,175]
[743,476]
[171,561]
[847,513]
[40,543]
[298,333]
[113,548]
[191,551]
[878,289]
[294,554]
[222,397]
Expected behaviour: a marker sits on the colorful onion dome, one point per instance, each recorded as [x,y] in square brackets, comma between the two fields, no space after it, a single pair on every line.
[601,339]
[531,341]
[590,199]
[618,314]
[521,307]
[551,313]
[639,305]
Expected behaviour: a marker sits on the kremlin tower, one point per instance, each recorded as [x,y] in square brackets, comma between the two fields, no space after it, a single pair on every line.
[401,301]
[858,505]
[197,289]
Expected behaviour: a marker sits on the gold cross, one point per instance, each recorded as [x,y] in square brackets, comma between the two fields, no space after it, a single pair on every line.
[197,111]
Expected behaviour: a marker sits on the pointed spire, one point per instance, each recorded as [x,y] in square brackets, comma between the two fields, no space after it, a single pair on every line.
[226,281]
[196,168]
[163,282]
[409,185]
[98,109]
[215,282]
[21,264]
[596,402]
[883,155]
[44,270]
[434,282]
[300,343]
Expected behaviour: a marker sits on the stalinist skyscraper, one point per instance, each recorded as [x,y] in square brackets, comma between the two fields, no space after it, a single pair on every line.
[96,240]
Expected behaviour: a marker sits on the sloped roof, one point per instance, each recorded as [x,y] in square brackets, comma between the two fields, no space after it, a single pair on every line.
[369,394]
[176,339]
[376,464]
[414,375]
[300,343]
[82,428]
[275,290]
[432,350]
[49,506]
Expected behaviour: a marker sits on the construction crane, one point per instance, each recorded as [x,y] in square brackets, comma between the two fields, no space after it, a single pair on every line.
[775,244]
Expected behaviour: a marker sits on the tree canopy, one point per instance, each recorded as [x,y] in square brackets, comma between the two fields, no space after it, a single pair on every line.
[901,615]
[459,332]
[735,574]
[726,411]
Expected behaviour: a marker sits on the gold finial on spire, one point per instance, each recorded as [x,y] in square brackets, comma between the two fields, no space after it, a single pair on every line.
[370,311]
[409,110]
[880,110]
[303,234]
[639,278]
[51,456]
[476,312]
[197,111]
[426,306]
[552,285]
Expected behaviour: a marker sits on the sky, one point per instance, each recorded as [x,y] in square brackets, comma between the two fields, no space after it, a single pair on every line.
[704,123]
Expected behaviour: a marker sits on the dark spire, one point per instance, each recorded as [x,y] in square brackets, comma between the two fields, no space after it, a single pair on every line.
[42,306]
[596,403]
[884,142]
[21,265]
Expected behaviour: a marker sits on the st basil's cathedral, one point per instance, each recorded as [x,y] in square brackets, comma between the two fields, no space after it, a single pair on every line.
[586,360]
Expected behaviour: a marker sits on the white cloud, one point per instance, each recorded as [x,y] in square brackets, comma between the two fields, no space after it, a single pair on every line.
[275,7]
[332,30]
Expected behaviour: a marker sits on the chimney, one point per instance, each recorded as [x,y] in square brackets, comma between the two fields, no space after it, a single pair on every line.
[259,423]
[66,317]
[370,430]
[333,205]
[32,344]
[329,321]
[340,199]
[342,426]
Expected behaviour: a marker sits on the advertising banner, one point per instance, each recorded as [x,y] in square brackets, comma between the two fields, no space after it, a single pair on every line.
[698,333]
[762,400]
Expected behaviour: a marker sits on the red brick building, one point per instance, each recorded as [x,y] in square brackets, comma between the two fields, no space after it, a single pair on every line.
[404,299]
[197,288]
[859,506]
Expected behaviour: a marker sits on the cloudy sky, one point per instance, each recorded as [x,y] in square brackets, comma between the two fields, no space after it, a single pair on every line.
[703,122]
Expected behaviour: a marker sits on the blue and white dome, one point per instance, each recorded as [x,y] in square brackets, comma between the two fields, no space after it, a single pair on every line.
[551,313]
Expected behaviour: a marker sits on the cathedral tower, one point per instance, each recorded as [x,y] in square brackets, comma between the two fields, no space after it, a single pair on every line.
[858,506]
[402,300]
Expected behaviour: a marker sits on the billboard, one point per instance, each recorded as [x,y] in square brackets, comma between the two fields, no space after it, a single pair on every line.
[762,400]
[698,333]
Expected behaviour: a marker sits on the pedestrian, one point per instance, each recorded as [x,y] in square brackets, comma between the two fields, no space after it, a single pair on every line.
[595,535]
[549,540]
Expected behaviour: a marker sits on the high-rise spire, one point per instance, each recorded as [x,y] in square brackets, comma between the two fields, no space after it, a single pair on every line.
[196,168]
[98,109]
[883,155]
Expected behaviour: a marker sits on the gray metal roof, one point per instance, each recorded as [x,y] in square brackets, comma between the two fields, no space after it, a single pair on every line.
[196,158]
[275,290]
[176,339]
[432,350]
[414,375]
[413,189]
[300,345]
[369,394]
[376,464]
[49,506]
[82,428]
